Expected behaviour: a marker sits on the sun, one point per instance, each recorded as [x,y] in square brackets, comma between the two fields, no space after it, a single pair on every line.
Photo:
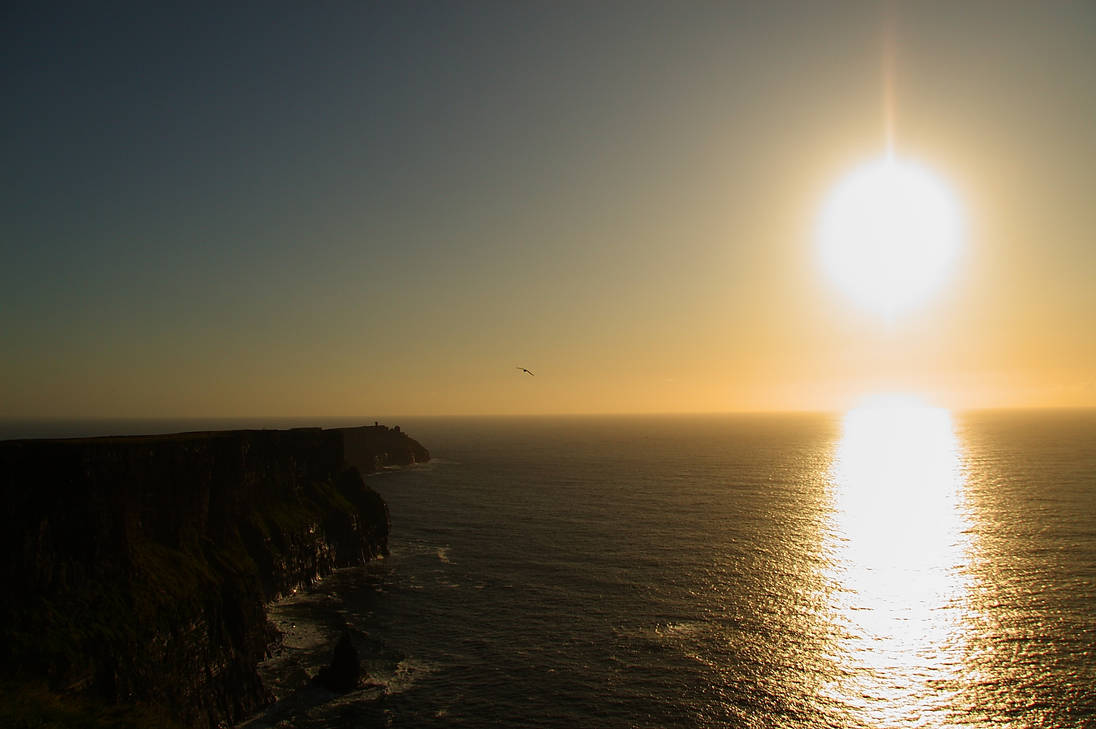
[889,234]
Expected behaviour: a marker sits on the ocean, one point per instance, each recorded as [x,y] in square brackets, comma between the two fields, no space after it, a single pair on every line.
[897,566]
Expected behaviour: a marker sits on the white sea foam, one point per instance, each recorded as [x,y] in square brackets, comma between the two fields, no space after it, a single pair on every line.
[405,675]
[673,573]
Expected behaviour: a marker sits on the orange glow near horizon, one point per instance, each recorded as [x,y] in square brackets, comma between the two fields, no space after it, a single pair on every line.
[628,203]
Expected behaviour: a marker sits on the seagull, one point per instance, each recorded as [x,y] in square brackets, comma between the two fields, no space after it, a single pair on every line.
[526,371]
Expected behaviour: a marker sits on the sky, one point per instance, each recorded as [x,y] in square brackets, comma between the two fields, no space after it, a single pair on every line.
[275,209]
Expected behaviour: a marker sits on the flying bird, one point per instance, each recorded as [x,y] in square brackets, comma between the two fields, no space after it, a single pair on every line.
[526,371]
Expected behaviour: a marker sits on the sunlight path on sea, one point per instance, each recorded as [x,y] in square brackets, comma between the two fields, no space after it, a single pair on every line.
[898,549]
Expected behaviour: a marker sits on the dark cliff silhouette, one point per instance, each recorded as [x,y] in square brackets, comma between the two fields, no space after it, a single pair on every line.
[136,568]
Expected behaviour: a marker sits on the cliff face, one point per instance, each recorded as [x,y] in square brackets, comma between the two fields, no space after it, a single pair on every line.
[136,568]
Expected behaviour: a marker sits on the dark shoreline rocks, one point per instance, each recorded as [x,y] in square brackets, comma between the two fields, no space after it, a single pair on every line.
[136,569]
[345,670]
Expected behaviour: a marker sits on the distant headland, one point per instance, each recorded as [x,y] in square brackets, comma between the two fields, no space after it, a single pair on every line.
[136,568]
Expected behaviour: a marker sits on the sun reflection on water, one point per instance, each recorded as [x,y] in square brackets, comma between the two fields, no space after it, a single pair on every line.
[898,547]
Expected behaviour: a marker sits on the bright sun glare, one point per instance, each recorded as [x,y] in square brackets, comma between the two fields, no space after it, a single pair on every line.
[899,536]
[889,234]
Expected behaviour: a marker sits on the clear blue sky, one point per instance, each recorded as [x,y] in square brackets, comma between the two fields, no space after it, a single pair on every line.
[339,208]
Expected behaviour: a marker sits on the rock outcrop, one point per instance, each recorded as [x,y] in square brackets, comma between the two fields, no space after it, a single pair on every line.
[345,670]
[136,569]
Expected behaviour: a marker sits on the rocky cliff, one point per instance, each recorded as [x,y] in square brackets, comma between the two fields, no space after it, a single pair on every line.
[136,569]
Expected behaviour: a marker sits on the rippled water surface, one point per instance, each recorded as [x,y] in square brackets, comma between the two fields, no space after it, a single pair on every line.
[898,567]
[895,567]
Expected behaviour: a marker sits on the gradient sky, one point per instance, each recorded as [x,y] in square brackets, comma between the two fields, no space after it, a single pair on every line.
[357,208]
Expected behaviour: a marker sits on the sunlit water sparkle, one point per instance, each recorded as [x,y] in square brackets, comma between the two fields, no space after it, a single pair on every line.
[893,568]
[899,540]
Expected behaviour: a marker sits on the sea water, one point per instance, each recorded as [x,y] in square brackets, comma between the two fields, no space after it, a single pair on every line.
[885,568]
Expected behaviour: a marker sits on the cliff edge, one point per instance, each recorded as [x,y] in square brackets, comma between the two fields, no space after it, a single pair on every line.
[136,568]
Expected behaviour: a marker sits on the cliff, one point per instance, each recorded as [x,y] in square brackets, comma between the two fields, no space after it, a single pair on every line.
[136,569]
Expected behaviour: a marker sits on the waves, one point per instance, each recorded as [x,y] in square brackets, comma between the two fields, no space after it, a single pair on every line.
[681,573]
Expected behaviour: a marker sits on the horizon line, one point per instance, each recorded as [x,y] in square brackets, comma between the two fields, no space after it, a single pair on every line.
[561,414]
